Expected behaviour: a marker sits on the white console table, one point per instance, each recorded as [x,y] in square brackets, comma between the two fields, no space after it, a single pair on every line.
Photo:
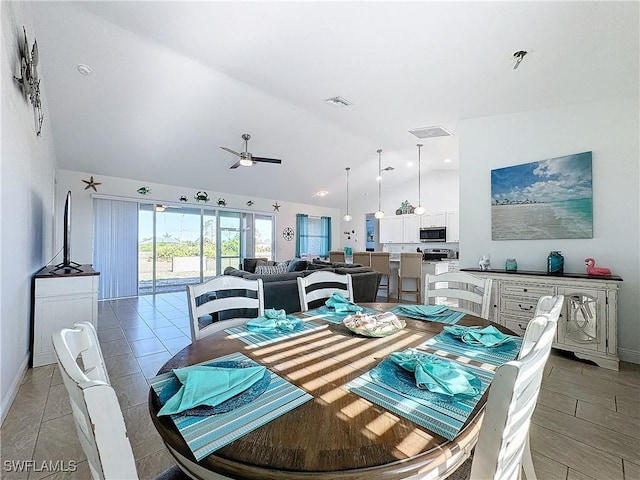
[61,298]
[588,324]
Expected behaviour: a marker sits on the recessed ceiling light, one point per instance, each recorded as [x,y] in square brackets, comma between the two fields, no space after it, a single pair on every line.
[409,164]
[84,69]
[338,102]
[431,132]
[322,193]
[447,160]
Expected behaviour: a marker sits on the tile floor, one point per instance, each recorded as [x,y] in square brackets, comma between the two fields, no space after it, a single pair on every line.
[586,425]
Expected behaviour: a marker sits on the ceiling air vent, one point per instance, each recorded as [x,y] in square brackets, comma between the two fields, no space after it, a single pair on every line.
[338,102]
[431,132]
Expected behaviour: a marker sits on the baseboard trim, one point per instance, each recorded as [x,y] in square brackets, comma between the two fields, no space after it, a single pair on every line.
[627,355]
[13,390]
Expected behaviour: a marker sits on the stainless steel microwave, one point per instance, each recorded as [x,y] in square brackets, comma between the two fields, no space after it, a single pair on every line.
[433,234]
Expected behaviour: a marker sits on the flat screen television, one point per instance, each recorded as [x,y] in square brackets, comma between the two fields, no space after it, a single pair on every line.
[67,265]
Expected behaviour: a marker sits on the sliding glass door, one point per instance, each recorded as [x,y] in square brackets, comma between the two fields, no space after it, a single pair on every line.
[230,239]
[183,245]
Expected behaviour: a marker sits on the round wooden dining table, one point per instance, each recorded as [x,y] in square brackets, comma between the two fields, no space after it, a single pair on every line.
[338,434]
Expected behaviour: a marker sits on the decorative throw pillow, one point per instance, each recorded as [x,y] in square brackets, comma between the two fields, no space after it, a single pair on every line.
[249,264]
[297,265]
[276,269]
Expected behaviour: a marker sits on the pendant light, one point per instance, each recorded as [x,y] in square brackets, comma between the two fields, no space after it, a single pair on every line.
[347,217]
[379,214]
[419,209]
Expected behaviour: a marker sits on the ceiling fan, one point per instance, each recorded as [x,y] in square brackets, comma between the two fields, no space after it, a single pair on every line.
[246,159]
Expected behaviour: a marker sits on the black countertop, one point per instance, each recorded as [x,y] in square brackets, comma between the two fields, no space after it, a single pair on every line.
[544,274]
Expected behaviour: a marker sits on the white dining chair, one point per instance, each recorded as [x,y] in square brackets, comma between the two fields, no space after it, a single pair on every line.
[321,285]
[503,451]
[549,305]
[463,291]
[223,302]
[96,412]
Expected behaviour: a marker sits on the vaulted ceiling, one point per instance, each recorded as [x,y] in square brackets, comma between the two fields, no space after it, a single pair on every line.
[171,82]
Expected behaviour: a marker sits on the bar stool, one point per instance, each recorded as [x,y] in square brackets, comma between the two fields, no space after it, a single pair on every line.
[337,256]
[362,258]
[380,263]
[410,268]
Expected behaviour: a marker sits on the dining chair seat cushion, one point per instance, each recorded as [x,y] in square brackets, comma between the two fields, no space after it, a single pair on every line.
[274,321]
[206,385]
[436,375]
[340,304]
[488,336]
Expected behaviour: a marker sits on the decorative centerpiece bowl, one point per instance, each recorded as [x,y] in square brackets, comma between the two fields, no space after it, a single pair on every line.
[379,325]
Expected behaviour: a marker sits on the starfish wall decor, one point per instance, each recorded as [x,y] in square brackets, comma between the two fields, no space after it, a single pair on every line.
[276,207]
[91,183]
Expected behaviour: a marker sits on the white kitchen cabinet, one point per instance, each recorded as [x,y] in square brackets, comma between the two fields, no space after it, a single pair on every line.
[453,227]
[588,324]
[434,219]
[391,229]
[60,300]
[411,228]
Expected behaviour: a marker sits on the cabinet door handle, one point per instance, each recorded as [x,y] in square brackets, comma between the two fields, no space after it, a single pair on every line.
[522,328]
[527,309]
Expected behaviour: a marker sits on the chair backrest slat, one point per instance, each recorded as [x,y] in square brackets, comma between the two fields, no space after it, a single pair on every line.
[224,293]
[321,285]
[472,293]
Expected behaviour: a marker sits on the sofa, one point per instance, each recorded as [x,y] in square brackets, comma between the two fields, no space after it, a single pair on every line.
[281,290]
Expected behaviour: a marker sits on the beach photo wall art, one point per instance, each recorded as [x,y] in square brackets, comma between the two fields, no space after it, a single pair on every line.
[543,200]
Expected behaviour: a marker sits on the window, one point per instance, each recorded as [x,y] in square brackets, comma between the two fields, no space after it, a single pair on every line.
[313,235]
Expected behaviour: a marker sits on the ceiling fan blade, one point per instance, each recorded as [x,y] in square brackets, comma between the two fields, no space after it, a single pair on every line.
[235,165]
[266,160]
[230,151]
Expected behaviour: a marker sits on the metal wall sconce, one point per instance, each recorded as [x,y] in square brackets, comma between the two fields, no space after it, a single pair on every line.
[29,80]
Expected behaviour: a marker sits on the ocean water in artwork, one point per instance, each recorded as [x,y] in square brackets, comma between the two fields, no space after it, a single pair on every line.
[543,200]
[567,219]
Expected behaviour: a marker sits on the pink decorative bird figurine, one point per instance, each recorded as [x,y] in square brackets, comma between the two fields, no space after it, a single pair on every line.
[593,270]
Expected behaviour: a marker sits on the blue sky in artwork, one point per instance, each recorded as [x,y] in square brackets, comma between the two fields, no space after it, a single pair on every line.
[552,180]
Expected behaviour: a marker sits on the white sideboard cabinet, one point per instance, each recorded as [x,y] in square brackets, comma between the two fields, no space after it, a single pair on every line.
[588,324]
[60,299]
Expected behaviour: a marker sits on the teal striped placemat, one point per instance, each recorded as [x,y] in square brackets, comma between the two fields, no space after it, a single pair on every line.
[445,417]
[449,316]
[260,339]
[330,315]
[205,435]
[492,355]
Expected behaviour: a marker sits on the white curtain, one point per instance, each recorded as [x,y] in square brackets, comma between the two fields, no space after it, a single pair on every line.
[115,247]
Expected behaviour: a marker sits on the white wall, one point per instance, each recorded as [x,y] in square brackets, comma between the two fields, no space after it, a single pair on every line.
[82,210]
[26,203]
[439,191]
[608,129]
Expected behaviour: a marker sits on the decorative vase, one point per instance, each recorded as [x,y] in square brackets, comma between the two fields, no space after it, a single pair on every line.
[555,262]
[511,265]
